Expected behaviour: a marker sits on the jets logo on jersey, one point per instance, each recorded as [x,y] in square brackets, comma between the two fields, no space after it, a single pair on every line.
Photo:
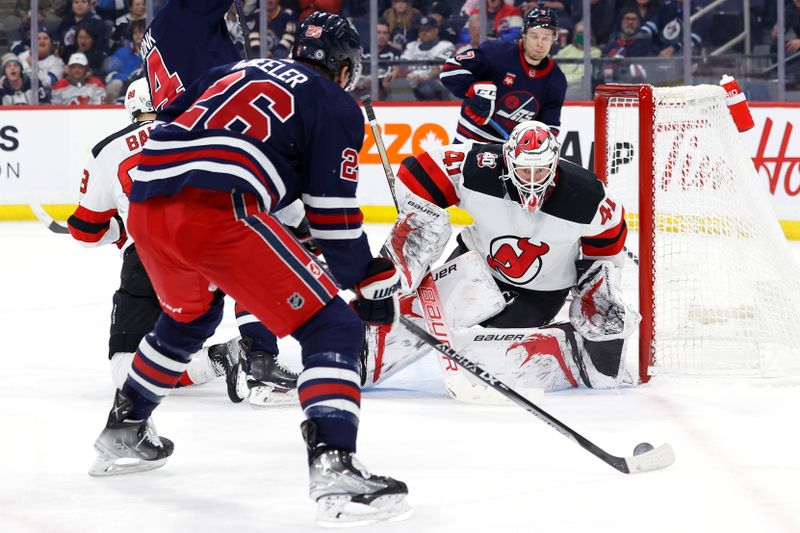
[487,160]
[516,259]
[516,107]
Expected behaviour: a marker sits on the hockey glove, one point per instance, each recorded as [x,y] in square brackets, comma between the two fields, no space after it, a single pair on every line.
[598,311]
[303,234]
[480,101]
[376,302]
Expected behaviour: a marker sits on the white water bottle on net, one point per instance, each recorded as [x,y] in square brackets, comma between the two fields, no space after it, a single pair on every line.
[716,282]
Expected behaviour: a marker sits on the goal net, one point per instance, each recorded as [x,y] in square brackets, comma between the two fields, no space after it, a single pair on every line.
[716,283]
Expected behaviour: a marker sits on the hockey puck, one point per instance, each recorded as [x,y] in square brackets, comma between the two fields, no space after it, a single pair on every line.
[641,448]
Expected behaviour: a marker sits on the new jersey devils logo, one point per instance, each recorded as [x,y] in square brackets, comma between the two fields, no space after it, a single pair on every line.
[516,258]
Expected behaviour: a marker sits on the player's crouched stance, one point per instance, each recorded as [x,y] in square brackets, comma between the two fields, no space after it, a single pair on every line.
[543,226]
[205,217]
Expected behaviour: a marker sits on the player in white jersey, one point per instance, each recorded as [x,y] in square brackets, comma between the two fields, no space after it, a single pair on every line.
[100,219]
[543,226]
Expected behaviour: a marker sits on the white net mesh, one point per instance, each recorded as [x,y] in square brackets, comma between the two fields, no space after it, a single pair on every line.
[726,287]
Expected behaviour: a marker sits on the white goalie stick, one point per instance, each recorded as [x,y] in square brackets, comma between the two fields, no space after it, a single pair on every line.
[654,459]
[47,220]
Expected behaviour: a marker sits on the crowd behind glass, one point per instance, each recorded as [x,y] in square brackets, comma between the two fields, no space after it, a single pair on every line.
[88,50]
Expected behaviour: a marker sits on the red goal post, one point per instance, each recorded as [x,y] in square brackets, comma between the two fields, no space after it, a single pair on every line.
[642,95]
[716,283]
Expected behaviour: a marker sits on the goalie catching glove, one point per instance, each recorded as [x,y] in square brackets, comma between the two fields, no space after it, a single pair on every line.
[480,100]
[376,302]
[598,311]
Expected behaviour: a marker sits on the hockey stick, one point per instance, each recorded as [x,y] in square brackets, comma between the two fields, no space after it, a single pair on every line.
[654,459]
[248,51]
[376,134]
[47,220]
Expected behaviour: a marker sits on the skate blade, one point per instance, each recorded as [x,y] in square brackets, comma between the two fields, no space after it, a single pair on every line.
[105,466]
[238,391]
[266,396]
[339,511]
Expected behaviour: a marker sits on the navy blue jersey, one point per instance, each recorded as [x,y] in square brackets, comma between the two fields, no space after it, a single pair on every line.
[524,92]
[184,41]
[274,128]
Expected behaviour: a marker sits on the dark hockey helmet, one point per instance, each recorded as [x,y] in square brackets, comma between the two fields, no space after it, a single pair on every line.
[540,17]
[329,40]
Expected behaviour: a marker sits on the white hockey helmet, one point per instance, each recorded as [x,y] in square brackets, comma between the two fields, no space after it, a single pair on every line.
[137,99]
[531,156]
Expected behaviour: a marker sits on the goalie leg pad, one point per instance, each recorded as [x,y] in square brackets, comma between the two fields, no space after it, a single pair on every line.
[551,359]
[417,239]
[387,352]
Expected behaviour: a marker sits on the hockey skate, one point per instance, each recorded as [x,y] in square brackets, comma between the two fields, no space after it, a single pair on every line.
[271,384]
[125,447]
[227,360]
[345,492]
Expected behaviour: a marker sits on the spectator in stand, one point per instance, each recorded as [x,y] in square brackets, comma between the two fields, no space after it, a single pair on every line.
[604,18]
[50,13]
[666,28]
[629,42]
[470,34]
[403,22]
[424,78]
[49,64]
[280,30]
[15,85]
[79,88]
[309,6]
[505,20]
[109,9]
[137,10]
[792,39]
[88,43]
[80,14]
[440,11]
[647,9]
[125,61]
[574,71]
[385,71]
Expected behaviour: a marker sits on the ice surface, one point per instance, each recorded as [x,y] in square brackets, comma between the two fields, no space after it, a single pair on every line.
[468,467]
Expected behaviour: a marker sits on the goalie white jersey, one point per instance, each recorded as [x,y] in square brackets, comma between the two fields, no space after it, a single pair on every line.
[103,204]
[531,250]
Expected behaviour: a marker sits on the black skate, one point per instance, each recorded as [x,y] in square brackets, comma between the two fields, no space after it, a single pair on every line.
[125,447]
[345,492]
[270,383]
[228,361]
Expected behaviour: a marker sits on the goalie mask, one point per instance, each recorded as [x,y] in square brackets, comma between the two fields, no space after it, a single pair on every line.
[329,41]
[531,157]
[137,99]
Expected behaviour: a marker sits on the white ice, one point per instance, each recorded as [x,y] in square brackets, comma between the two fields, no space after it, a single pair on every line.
[468,467]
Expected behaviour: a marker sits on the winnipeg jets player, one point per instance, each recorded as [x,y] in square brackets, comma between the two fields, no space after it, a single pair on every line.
[243,141]
[543,226]
[100,219]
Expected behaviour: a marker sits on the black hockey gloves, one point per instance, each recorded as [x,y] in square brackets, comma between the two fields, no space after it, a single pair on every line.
[480,101]
[377,294]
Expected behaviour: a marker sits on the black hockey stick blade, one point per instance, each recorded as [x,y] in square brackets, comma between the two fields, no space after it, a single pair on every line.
[47,220]
[655,459]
